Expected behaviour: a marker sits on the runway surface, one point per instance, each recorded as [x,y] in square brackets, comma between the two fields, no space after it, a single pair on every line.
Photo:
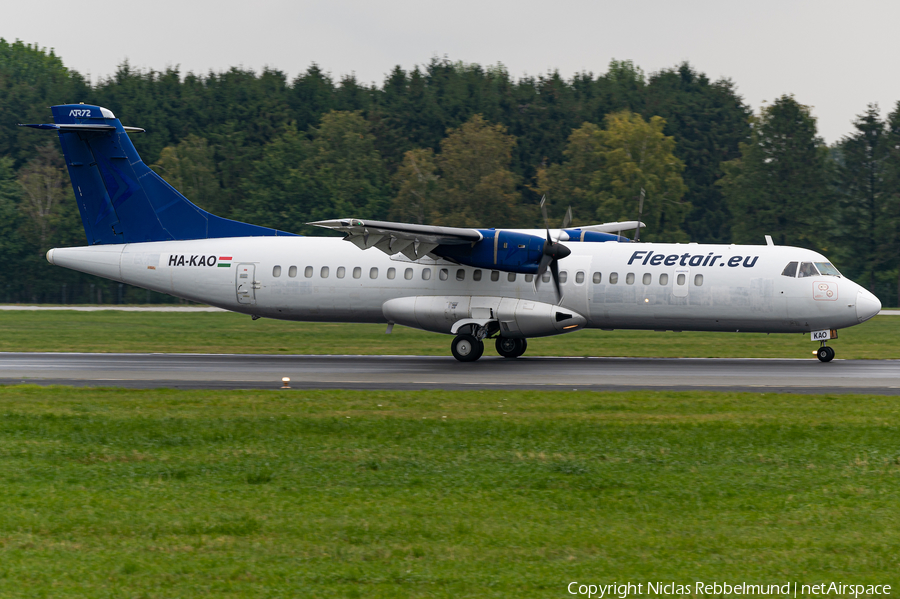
[419,372]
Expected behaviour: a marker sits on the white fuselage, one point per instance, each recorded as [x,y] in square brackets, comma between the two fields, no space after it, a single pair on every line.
[612,285]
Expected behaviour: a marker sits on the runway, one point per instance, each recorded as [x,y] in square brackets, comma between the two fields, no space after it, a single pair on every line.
[198,371]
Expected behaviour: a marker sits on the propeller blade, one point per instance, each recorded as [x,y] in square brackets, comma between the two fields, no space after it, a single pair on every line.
[568,219]
[554,270]
[544,211]
[542,268]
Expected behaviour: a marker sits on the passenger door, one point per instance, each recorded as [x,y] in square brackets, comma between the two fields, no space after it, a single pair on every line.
[682,282]
[246,284]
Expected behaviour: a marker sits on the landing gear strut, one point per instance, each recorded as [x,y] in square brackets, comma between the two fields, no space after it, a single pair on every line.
[466,348]
[825,353]
[510,348]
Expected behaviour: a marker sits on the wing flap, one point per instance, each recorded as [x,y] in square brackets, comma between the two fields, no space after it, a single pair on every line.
[413,241]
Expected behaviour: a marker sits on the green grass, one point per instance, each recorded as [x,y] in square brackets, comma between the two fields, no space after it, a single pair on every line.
[111,331]
[120,493]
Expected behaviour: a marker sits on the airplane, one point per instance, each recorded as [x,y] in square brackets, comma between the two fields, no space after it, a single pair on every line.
[473,284]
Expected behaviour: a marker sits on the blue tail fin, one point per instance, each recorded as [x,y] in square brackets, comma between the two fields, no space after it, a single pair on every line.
[120,198]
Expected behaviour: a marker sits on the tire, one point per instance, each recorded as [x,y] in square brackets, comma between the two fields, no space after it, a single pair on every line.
[466,348]
[522,347]
[510,348]
[506,347]
[825,354]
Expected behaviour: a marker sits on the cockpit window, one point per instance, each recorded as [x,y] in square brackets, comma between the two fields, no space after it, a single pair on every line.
[807,270]
[790,270]
[828,269]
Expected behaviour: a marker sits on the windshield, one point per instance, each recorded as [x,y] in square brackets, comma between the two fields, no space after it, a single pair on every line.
[826,268]
[807,270]
[790,270]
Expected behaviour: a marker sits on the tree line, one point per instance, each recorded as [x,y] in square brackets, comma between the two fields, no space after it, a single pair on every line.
[460,145]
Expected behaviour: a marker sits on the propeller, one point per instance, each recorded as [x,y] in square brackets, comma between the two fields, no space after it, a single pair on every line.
[553,252]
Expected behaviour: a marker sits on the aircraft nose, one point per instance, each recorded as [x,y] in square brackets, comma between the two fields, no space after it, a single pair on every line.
[867,305]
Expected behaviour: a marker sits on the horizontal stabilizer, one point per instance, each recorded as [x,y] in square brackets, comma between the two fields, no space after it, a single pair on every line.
[83,128]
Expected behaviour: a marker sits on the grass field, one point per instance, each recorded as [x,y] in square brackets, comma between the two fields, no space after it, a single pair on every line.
[111,331]
[121,493]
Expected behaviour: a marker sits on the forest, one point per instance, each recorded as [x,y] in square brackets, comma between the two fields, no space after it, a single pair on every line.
[456,144]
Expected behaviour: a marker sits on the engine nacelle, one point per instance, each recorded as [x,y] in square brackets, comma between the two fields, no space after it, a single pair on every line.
[516,318]
[509,251]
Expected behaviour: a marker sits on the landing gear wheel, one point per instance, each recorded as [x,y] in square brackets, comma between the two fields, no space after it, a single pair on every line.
[466,348]
[510,348]
[825,354]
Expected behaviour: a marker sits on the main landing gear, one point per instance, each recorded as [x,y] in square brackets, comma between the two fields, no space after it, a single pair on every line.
[468,348]
[825,353]
[511,348]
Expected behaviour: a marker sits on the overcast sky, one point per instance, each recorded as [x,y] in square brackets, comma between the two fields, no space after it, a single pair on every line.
[836,56]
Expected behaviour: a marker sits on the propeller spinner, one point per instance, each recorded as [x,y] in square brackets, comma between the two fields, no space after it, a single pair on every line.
[553,252]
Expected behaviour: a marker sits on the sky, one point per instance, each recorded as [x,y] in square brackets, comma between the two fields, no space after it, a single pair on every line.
[835,56]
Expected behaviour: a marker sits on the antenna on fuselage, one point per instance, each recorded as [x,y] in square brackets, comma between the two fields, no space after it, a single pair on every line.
[637,231]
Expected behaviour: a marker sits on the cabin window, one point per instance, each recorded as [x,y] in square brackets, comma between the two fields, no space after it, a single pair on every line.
[308,272]
[373,273]
[341,271]
[807,270]
[563,276]
[392,272]
[827,269]
[698,280]
[629,279]
[460,274]
[545,278]
[276,272]
[664,279]
[426,274]
[444,274]
[357,272]
[680,279]
[647,278]
[511,277]
[495,276]
[579,277]
[324,272]
[613,278]
[596,278]
[408,274]
[476,276]
[529,278]
[790,270]
[292,272]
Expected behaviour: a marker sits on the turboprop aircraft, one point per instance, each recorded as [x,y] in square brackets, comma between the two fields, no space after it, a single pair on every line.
[474,284]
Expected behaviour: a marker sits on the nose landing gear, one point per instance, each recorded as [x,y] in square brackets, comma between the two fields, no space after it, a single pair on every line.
[825,353]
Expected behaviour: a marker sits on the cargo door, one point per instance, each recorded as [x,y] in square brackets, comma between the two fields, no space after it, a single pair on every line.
[577,290]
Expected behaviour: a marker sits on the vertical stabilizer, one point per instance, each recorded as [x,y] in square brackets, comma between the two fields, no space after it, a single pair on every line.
[120,198]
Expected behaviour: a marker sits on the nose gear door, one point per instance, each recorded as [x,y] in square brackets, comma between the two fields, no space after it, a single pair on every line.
[246,284]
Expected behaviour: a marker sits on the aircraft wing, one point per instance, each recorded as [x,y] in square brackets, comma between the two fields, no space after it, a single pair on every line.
[628,225]
[413,241]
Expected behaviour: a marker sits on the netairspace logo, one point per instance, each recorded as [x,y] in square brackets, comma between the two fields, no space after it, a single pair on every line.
[718,589]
